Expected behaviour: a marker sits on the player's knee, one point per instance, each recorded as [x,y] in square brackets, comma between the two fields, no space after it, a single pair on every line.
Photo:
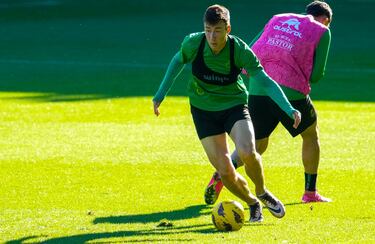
[248,155]
[311,133]
[312,136]
[224,166]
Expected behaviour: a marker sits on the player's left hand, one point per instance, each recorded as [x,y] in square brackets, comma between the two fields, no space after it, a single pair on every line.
[156,108]
[297,119]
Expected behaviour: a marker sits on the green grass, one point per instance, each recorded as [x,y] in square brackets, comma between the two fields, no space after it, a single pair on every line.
[109,171]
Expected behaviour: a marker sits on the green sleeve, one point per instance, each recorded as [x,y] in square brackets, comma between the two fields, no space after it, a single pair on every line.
[247,59]
[174,69]
[256,38]
[274,91]
[321,56]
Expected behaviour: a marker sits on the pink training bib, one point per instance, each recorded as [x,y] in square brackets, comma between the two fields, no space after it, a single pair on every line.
[286,49]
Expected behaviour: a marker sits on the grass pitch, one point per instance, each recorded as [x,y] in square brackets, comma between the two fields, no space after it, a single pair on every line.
[109,171]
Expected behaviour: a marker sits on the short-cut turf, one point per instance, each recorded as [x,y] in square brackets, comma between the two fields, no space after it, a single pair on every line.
[109,170]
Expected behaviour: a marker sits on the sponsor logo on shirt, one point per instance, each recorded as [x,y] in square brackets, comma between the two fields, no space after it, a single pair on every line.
[286,26]
[215,78]
[278,42]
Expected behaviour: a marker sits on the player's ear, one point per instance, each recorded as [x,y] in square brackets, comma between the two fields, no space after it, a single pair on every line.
[229,28]
[326,21]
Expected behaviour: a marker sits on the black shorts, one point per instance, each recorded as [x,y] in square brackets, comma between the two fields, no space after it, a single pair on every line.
[210,123]
[266,114]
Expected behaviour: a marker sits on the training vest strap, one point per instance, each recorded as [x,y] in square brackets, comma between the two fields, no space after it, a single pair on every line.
[203,73]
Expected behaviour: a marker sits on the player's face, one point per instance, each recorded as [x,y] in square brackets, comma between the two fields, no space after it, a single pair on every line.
[216,35]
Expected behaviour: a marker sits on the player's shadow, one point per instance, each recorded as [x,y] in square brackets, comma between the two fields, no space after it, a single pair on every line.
[145,235]
[186,213]
[294,203]
[288,204]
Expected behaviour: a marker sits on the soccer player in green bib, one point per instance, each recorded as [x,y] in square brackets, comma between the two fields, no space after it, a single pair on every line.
[218,100]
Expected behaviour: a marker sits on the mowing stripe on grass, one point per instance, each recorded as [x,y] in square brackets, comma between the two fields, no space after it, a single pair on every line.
[138,65]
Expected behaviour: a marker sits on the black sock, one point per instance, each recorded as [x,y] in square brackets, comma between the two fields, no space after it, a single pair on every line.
[310,182]
[254,206]
[235,164]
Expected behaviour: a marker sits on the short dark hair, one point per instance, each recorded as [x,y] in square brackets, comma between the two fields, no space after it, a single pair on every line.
[319,8]
[215,13]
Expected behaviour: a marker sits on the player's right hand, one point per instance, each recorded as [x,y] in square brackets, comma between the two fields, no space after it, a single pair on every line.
[156,108]
[297,119]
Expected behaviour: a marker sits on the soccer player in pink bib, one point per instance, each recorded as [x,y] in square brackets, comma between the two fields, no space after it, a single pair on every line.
[293,49]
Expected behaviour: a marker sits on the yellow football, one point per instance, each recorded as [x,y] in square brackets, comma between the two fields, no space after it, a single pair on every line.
[228,216]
